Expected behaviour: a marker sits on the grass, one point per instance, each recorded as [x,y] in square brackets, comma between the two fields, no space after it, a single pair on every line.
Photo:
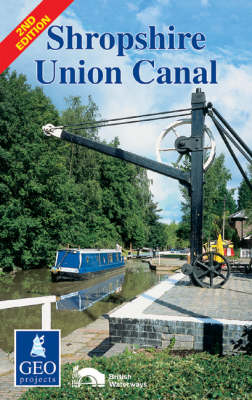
[158,375]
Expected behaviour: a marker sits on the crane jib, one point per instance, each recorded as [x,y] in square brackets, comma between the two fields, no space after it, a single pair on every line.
[144,162]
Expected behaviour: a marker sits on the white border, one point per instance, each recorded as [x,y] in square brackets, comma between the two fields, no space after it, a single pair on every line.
[36,330]
[135,309]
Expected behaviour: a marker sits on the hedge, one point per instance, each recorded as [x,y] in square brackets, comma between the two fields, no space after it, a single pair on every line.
[162,376]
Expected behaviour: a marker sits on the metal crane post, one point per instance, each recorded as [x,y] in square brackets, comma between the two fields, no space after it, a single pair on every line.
[197,133]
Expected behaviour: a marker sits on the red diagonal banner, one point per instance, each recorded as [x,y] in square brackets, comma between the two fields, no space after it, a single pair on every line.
[29,29]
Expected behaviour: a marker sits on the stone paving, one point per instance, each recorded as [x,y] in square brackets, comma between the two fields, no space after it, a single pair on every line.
[82,344]
[215,320]
[232,301]
[6,363]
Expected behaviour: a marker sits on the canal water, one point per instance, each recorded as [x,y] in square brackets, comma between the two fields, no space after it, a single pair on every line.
[78,302]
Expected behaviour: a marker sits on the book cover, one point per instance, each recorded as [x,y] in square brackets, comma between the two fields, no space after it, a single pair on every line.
[125,75]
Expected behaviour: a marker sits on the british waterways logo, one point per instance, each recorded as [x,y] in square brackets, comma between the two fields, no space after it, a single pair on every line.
[37,358]
[90,376]
[95,377]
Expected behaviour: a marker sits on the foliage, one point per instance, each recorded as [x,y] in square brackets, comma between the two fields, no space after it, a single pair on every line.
[118,197]
[162,375]
[157,230]
[54,193]
[6,278]
[122,201]
[173,239]
[27,163]
[81,161]
[215,194]
[244,194]
[158,237]
[245,199]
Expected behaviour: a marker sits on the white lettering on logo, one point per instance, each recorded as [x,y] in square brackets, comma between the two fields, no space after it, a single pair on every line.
[21,367]
[47,364]
[37,367]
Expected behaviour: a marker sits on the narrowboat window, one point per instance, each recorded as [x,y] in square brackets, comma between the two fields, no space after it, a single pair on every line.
[104,259]
[87,259]
[110,258]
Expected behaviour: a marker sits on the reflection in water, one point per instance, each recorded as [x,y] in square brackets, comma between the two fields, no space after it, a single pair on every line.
[34,283]
[86,298]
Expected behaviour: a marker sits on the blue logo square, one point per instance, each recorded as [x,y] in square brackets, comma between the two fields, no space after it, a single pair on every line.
[37,358]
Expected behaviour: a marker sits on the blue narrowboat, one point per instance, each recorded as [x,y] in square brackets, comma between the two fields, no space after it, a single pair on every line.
[83,263]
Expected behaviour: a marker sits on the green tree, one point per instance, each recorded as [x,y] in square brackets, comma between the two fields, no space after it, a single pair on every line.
[40,205]
[158,237]
[217,199]
[110,186]
[82,163]
[215,193]
[117,194]
[244,195]
[53,194]
[246,198]
[122,201]
[157,232]
[173,240]
[84,167]
[171,235]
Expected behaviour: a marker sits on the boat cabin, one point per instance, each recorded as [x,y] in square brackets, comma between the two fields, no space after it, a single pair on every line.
[81,262]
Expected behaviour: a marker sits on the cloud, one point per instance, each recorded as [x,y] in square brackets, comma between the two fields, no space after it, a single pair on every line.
[12,13]
[167,194]
[27,7]
[149,16]
[205,3]
[168,216]
[153,14]
[132,6]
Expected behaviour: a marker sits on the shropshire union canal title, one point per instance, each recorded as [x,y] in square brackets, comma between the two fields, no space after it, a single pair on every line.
[145,71]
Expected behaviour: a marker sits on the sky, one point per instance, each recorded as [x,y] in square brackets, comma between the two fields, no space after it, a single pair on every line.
[227,29]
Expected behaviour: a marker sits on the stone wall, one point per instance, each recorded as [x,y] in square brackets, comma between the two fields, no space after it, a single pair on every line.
[203,335]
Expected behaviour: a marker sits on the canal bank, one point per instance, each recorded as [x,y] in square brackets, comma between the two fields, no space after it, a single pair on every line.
[200,319]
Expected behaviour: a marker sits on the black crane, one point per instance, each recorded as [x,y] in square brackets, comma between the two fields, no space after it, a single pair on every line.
[205,269]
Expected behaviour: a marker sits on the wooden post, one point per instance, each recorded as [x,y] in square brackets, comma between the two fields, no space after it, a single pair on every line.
[46,316]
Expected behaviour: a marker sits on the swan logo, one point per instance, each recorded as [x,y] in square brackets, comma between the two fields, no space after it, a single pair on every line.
[95,377]
[37,349]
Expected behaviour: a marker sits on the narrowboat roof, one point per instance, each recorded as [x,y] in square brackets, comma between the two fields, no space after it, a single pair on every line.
[96,251]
